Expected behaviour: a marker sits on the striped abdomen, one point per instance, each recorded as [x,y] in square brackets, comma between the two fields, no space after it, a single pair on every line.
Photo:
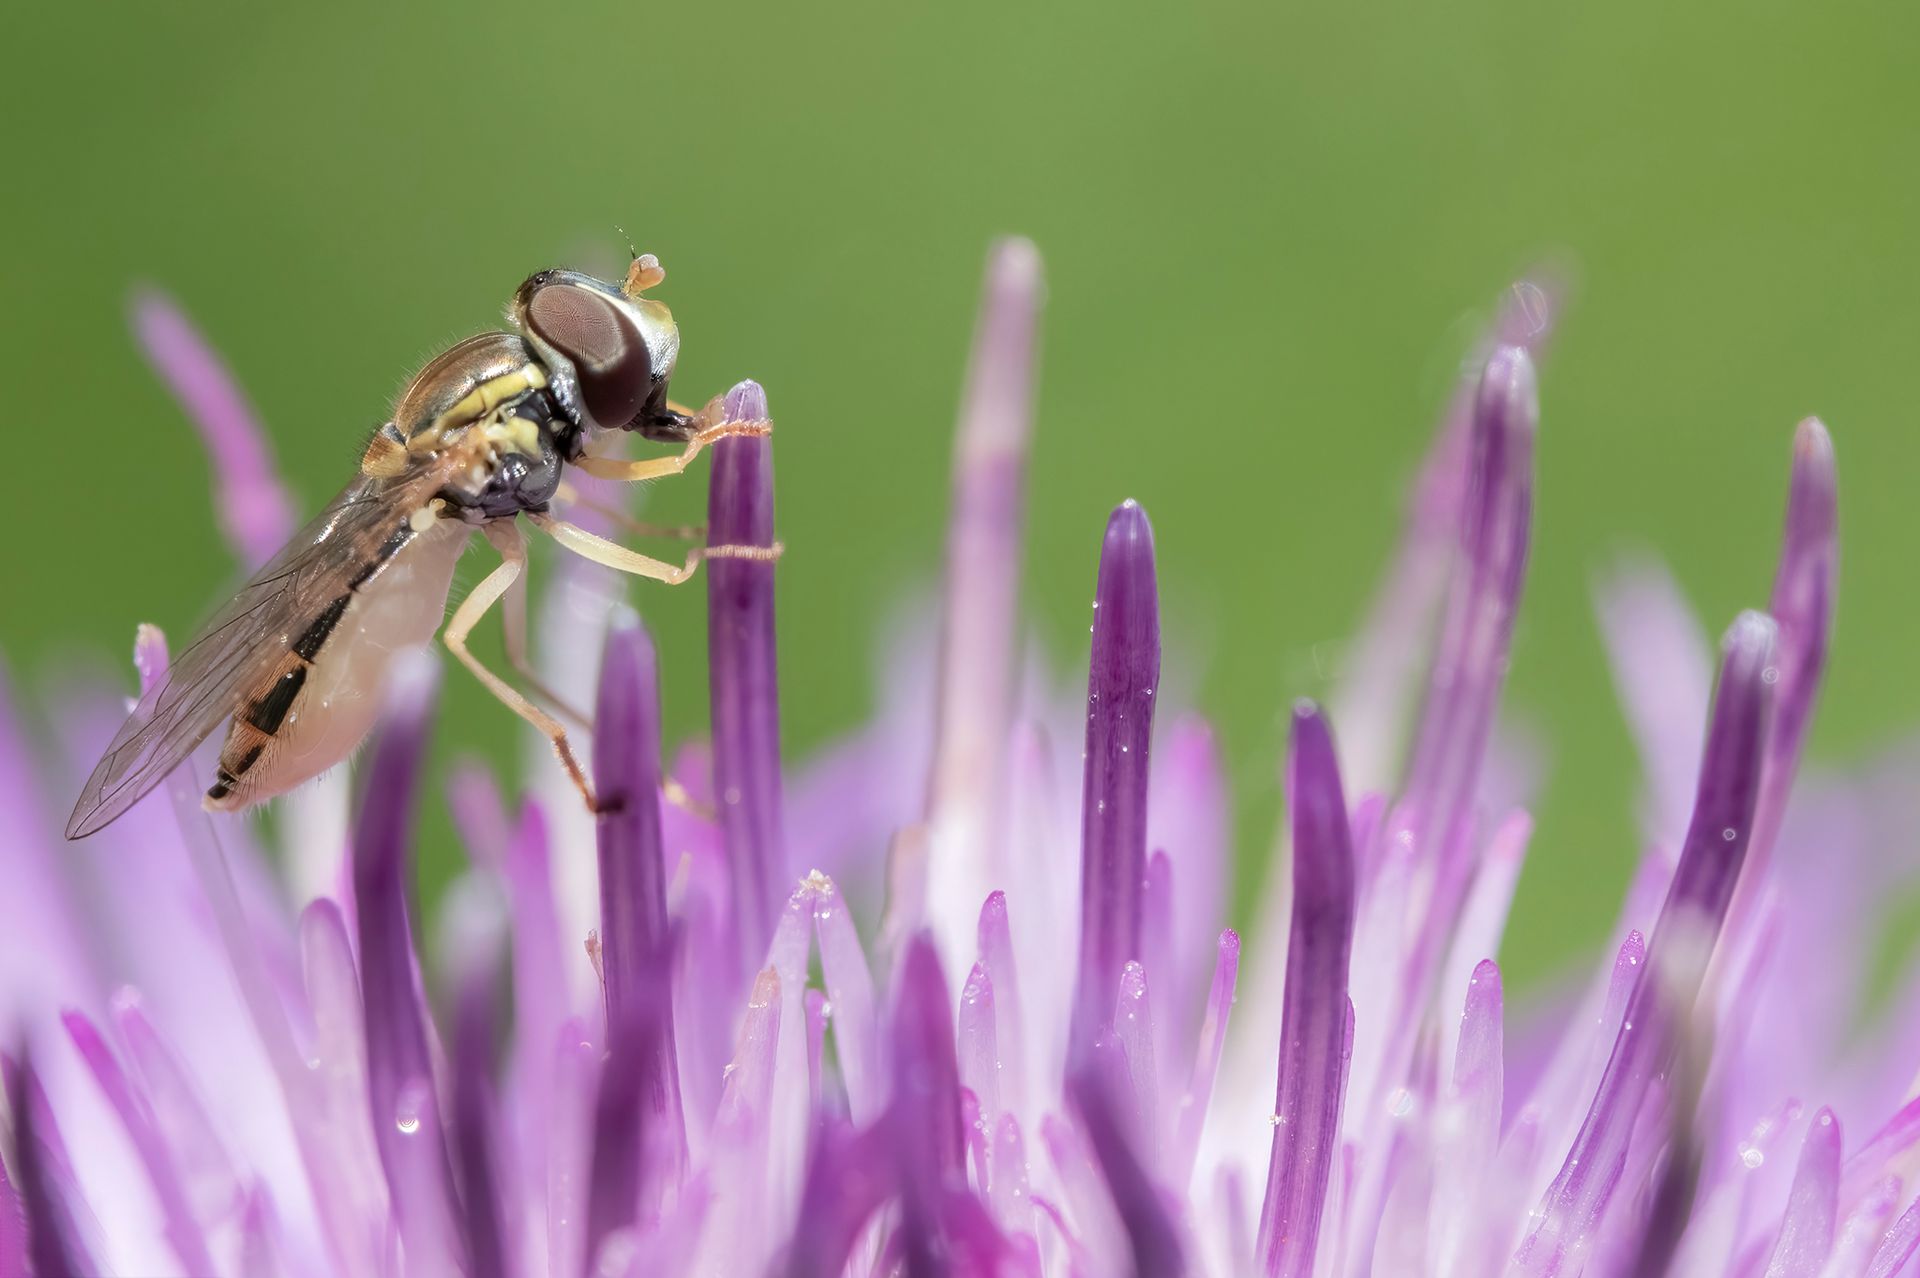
[323,696]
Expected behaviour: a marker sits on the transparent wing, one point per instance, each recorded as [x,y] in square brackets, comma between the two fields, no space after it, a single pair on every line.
[212,677]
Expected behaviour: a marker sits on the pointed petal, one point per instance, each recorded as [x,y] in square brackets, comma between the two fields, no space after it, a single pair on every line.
[1899,1244]
[474,926]
[1206,1058]
[1313,1042]
[742,672]
[849,985]
[847,1180]
[623,1113]
[1730,775]
[994,937]
[183,1232]
[1380,672]
[1123,674]
[978,1044]
[400,1087]
[52,1244]
[1861,1234]
[1806,1230]
[1803,602]
[254,510]
[974,701]
[1468,1130]
[929,1146]
[1153,1240]
[1189,816]
[636,949]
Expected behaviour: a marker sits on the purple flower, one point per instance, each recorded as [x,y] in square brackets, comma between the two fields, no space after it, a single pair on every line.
[909,1009]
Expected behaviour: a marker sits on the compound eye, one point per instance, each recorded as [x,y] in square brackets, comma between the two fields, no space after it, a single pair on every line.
[608,353]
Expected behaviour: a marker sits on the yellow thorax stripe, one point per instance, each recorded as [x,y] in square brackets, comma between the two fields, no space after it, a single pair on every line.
[480,401]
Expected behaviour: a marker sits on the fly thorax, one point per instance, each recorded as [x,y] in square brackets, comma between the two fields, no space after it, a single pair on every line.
[513,461]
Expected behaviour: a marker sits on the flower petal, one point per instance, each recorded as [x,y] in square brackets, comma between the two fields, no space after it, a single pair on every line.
[400,1089]
[1806,1230]
[979,623]
[743,674]
[1122,677]
[1313,1033]
[636,950]
[253,506]
[1730,776]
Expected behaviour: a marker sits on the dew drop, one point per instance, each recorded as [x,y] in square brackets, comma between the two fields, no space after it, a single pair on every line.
[1729,834]
[410,1106]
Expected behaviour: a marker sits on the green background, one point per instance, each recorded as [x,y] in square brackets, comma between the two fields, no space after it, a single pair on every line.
[1266,228]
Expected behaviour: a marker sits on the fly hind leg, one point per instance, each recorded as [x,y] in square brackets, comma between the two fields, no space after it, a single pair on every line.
[513,616]
[513,555]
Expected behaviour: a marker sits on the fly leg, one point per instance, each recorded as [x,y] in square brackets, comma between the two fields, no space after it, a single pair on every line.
[628,472]
[513,618]
[670,790]
[513,555]
[617,557]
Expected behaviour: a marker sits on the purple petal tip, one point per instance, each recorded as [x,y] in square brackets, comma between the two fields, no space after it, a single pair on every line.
[1126,634]
[746,402]
[1748,646]
[1812,508]
[149,655]
[1014,264]
[1510,391]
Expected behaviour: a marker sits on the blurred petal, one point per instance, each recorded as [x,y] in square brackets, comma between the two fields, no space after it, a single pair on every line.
[254,510]
[978,623]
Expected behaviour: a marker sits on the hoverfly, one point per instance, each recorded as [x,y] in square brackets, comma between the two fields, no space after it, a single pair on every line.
[296,660]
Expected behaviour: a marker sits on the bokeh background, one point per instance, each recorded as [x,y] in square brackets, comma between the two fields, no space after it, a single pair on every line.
[1269,232]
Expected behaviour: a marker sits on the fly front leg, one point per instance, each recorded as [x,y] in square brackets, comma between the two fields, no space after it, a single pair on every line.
[629,472]
[612,554]
[513,555]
